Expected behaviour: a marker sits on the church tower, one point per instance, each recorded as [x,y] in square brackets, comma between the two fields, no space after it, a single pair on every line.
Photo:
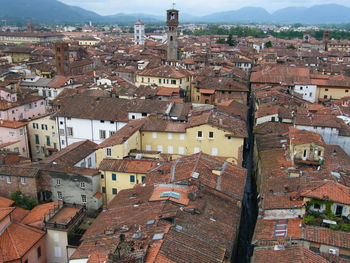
[172,23]
[139,33]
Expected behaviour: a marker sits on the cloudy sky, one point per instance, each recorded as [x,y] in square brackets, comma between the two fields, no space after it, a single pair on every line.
[193,7]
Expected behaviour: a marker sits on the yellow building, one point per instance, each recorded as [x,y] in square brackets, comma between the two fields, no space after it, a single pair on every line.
[166,76]
[306,147]
[117,175]
[43,137]
[213,133]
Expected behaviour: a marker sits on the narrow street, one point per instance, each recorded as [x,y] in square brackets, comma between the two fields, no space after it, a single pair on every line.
[249,208]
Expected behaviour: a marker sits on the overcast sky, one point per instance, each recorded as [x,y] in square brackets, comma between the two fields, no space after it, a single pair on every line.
[193,7]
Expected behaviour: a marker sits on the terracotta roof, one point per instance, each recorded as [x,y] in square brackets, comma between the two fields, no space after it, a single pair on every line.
[17,240]
[72,154]
[107,108]
[5,202]
[11,124]
[166,71]
[211,171]
[128,165]
[288,255]
[58,82]
[330,191]
[123,134]
[327,236]
[299,137]
[37,214]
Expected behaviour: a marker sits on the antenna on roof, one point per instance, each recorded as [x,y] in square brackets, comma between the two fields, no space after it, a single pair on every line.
[174,4]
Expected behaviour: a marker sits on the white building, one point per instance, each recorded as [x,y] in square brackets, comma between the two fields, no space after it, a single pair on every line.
[307,91]
[139,33]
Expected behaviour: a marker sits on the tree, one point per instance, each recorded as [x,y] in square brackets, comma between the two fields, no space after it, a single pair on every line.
[291,46]
[268,44]
[23,200]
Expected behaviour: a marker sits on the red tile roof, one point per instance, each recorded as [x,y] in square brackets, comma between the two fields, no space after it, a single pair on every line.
[330,191]
[17,240]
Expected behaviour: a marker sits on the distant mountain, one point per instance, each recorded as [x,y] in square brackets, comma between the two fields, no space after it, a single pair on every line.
[56,12]
[246,14]
[319,14]
[47,11]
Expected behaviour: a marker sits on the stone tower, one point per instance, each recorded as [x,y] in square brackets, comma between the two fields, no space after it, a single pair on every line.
[139,33]
[172,22]
[30,26]
[62,58]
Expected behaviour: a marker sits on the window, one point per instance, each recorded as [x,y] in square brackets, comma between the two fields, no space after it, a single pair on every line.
[102,121]
[148,148]
[20,131]
[114,177]
[154,135]
[26,261]
[182,137]
[199,134]
[59,195]
[173,81]
[132,178]
[23,180]
[43,126]
[326,89]
[214,151]
[58,252]
[114,191]
[61,132]
[63,142]
[170,136]
[346,90]
[160,81]
[181,150]
[35,126]
[317,206]
[143,178]
[8,179]
[196,150]
[111,133]
[325,96]
[83,199]
[109,152]
[170,149]
[69,131]
[12,134]
[304,153]
[211,135]
[58,181]
[102,134]
[48,142]
[82,185]
[89,162]
[160,148]
[39,252]
[103,189]
[319,153]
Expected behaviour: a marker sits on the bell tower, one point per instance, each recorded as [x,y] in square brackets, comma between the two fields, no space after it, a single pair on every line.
[172,22]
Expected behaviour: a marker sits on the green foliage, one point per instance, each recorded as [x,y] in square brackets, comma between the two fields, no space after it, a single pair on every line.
[334,227]
[23,200]
[291,47]
[308,220]
[221,41]
[268,44]
[345,227]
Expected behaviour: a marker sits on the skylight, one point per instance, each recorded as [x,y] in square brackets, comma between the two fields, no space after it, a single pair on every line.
[170,194]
